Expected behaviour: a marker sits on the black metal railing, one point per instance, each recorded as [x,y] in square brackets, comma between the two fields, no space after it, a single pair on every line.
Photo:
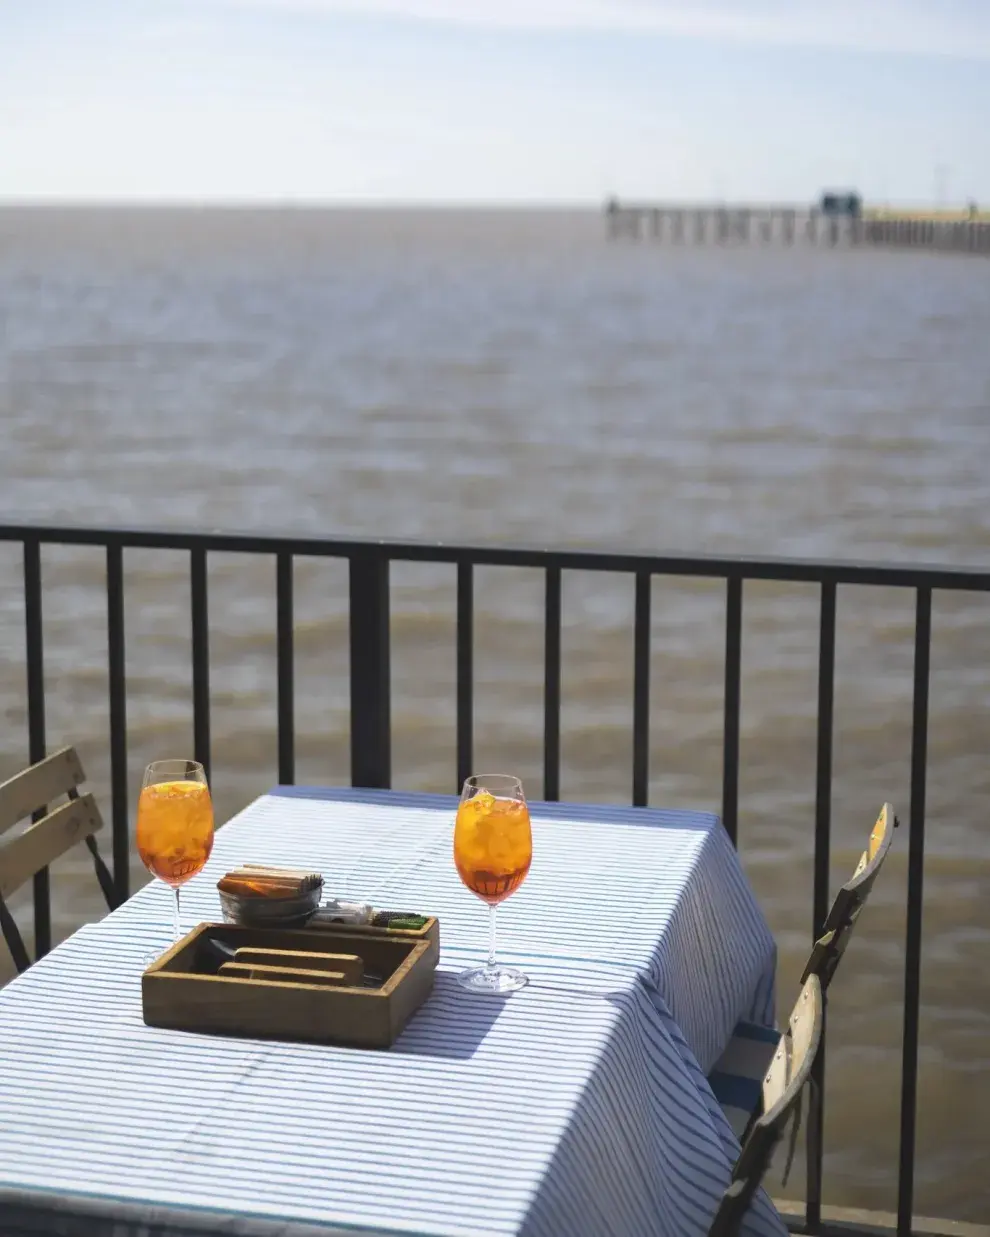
[369,563]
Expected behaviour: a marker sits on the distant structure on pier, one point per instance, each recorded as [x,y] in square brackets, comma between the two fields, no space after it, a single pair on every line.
[849,205]
[838,219]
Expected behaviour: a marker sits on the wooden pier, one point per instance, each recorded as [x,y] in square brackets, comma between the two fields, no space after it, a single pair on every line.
[723,224]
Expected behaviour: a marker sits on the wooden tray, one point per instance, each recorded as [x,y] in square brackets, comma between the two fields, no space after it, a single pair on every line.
[175,995]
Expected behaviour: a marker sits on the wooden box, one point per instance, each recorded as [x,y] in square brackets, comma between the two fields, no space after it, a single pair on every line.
[177,995]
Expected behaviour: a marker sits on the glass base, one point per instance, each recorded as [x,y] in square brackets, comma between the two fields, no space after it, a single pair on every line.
[492,980]
[156,952]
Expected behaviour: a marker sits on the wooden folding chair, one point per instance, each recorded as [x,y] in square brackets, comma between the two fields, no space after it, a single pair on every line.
[789,1072]
[52,833]
[736,1078]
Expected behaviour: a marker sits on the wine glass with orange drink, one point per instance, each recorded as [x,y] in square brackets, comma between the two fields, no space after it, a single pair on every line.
[493,848]
[175,824]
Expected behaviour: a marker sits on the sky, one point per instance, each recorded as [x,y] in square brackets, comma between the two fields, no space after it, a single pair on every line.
[491,101]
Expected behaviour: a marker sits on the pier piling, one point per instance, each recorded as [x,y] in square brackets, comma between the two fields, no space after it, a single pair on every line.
[743,224]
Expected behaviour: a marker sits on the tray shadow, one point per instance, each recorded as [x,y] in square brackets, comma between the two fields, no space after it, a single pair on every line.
[452,1023]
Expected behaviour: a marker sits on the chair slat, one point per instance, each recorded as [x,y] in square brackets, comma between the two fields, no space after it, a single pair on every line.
[850,900]
[39,785]
[877,835]
[778,1075]
[870,862]
[805,1025]
[46,840]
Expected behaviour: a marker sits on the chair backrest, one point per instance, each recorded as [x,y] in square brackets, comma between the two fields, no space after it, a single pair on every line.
[30,793]
[850,900]
[789,1071]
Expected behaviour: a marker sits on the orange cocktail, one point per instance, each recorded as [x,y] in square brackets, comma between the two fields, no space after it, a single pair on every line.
[175,824]
[493,848]
[175,829]
[493,845]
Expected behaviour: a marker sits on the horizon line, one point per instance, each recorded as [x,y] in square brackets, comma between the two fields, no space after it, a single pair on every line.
[52,202]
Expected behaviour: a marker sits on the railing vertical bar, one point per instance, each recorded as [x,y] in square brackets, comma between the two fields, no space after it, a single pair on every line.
[285,669]
[116,667]
[465,671]
[730,741]
[551,687]
[916,869]
[641,691]
[11,934]
[823,842]
[200,659]
[34,649]
[371,694]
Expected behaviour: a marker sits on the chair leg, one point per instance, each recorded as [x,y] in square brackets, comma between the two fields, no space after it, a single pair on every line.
[102,874]
[15,942]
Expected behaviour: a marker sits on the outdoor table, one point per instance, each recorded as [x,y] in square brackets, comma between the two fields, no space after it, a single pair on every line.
[576,1106]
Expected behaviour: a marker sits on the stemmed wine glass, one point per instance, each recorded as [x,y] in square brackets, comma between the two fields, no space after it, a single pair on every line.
[175,824]
[493,849]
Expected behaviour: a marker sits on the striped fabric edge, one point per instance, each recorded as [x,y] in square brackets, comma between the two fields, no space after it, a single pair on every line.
[31,1213]
[716,968]
[673,1174]
[585,813]
[763,1010]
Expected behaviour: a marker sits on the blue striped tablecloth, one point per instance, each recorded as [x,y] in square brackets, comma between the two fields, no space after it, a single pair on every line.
[578,1106]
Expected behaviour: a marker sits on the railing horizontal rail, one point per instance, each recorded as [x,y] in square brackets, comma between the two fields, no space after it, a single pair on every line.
[369,561]
[711,566]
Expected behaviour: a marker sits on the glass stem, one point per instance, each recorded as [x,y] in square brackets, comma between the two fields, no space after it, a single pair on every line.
[490,964]
[178,929]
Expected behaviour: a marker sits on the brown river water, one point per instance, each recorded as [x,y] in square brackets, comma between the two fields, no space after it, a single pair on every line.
[516,378]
